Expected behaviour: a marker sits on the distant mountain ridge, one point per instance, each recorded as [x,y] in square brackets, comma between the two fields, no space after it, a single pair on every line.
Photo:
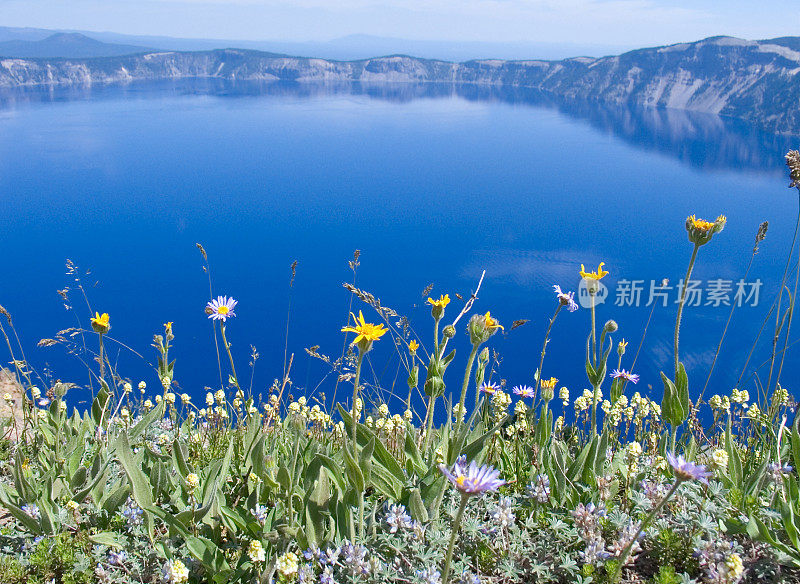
[757,81]
[67,45]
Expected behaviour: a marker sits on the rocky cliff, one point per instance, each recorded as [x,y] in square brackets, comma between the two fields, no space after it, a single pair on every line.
[754,80]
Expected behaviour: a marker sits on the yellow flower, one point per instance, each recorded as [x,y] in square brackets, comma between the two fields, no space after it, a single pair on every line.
[598,275]
[700,231]
[549,383]
[168,327]
[490,322]
[443,301]
[365,330]
[412,347]
[700,224]
[100,323]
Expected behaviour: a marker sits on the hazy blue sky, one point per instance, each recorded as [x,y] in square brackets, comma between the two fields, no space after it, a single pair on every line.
[606,22]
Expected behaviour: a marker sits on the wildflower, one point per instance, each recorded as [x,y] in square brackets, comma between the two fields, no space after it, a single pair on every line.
[793,162]
[700,231]
[412,347]
[287,565]
[366,332]
[117,558]
[429,576]
[489,387]
[524,390]
[132,513]
[185,398]
[221,308]
[100,323]
[634,449]
[598,275]
[8,398]
[776,472]
[490,322]
[142,386]
[397,518]
[192,481]
[256,551]
[170,397]
[719,458]
[73,505]
[175,572]
[261,513]
[472,479]
[685,470]
[35,392]
[780,396]
[503,514]
[438,306]
[627,375]
[539,489]
[621,346]
[566,299]
[327,576]
[31,510]
[220,396]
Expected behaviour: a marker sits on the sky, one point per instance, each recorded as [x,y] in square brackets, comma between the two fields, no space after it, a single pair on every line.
[601,22]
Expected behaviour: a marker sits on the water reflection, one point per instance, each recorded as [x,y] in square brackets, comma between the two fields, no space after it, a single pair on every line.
[702,140]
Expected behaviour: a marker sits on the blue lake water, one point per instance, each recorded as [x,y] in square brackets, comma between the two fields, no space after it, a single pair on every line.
[433,185]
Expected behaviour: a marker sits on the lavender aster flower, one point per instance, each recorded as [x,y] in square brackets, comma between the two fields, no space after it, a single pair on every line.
[474,479]
[621,373]
[524,390]
[489,388]
[221,308]
[566,298]
[686,471]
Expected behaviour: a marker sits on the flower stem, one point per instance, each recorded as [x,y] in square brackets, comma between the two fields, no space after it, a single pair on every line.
[356,415]
[594,339]
[646,523]
[456,525]
[680,305]
[230,357]
[544,348]
[461,404]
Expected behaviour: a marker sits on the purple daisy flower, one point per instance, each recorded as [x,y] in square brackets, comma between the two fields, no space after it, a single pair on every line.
[473,479]
[524,390]
[632,377]
[489,388]
[566,298]
[221,308]
[686,471]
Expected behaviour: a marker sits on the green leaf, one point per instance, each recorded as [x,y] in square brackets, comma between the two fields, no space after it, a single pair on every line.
[353,471]
[107,538]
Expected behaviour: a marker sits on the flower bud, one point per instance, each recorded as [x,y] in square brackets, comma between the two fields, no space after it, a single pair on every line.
[481,327]
[449,331]
[611,326]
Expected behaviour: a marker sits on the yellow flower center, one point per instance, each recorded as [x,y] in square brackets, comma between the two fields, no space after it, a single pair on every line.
[223,310]
[460,480]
